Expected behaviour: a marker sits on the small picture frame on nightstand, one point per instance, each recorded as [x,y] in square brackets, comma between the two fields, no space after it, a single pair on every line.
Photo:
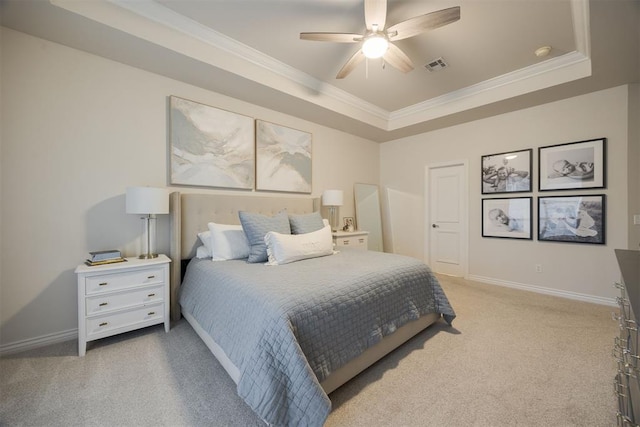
[348,224]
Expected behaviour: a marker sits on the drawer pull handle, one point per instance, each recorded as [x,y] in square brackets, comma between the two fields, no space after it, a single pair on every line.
[103,284]
[104,324]
[151,295]
[151,313]
[151,277]
[102,304]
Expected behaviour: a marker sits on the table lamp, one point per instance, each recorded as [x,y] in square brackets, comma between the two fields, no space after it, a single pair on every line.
[333,200]
[147,201]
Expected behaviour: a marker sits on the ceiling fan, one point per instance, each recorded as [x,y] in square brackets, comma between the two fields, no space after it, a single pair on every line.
[376,39]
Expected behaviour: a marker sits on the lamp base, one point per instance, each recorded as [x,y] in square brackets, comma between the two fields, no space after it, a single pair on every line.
[148,256]
[333,218]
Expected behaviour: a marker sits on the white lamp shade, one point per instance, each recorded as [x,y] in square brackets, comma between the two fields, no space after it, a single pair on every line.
[147,200]
[332,198]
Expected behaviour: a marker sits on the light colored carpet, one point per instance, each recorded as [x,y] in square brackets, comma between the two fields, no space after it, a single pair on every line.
[513,358]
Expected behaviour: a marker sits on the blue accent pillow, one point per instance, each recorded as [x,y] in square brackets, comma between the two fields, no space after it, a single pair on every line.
[307,223]
[256,226]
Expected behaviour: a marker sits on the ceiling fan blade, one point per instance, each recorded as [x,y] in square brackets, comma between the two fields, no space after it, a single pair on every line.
[356,59]
[416,25]
[332,37]
[375,13]
[398,59]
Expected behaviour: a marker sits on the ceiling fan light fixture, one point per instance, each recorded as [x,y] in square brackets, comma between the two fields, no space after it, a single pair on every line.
[375,46]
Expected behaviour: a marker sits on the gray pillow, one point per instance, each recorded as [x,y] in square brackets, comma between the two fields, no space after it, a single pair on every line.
[256,226]
[307,223]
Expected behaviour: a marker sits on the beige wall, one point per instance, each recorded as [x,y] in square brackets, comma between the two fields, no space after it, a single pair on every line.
[76,131]
[570,269]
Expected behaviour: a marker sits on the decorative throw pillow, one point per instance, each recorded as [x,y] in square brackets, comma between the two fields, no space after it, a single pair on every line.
[205,238]
[256,226]
[203,252]
[301,224]
[227,242]
[286,248]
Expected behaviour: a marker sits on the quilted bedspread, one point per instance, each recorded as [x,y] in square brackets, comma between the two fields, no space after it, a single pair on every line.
[287,327]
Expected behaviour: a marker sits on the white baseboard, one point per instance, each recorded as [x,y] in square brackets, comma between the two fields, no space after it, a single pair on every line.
[548,291]
[44,340]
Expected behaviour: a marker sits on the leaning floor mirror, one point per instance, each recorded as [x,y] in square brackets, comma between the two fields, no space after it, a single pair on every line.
[368,217]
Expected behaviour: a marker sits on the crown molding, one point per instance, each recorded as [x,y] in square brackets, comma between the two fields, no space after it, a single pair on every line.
[562,69]
[158,24]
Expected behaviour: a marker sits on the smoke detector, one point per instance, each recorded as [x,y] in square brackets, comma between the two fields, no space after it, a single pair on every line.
[436,64]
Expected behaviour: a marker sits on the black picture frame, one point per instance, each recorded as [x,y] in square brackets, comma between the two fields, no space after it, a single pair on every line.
[508,172]
[507,218]
[573,166]
[572,219]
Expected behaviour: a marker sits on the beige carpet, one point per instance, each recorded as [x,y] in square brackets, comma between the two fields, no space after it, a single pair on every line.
[513,358]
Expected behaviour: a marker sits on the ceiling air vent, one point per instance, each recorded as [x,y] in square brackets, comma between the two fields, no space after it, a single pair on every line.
[436,65]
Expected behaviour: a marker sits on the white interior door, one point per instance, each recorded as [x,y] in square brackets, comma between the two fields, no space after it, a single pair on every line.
[447,216]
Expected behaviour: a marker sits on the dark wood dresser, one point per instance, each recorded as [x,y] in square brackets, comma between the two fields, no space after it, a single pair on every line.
[625,350]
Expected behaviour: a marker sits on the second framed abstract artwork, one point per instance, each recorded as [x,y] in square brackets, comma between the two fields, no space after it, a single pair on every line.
[283,158]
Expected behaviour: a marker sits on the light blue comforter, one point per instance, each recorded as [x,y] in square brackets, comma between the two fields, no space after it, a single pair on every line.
[287,327]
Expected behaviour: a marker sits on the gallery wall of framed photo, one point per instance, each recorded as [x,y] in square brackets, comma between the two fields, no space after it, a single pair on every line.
[575,216]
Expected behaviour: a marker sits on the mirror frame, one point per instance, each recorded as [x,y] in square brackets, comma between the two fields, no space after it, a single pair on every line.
[368,214]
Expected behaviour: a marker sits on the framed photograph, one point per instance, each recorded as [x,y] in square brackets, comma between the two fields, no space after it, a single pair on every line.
[283,158]
[349,225]
[507,218]
[211,147]
[572,166]
[572,219]
[507,172]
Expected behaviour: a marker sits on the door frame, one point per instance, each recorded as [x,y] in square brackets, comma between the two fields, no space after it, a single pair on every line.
[464,232]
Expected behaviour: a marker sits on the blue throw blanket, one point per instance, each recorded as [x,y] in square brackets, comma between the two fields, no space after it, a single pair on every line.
[288,327]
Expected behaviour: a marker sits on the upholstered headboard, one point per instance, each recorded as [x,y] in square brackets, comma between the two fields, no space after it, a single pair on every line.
[190,213]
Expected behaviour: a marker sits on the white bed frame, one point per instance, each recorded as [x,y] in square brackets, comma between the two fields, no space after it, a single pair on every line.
[190,213]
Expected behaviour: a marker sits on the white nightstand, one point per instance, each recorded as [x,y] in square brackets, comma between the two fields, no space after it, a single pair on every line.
[355,239]
[121,297]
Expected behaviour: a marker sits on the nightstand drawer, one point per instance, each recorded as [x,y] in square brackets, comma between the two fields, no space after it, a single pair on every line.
[116,281]
[354,241]
[125,319]
[104,303]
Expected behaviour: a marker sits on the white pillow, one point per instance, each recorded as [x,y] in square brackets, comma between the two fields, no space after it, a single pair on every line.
[225,242]
[205,238]
[286,248]
[203,252]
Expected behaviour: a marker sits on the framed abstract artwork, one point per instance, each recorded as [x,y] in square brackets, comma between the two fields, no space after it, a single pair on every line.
[211,147]
[507,172]
[572,219]
[283,158]
[507,218]
[572,166]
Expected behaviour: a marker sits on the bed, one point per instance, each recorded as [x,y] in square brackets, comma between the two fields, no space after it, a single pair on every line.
[288,335]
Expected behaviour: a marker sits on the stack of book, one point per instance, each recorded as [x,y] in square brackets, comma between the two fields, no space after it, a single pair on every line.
[104,257]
